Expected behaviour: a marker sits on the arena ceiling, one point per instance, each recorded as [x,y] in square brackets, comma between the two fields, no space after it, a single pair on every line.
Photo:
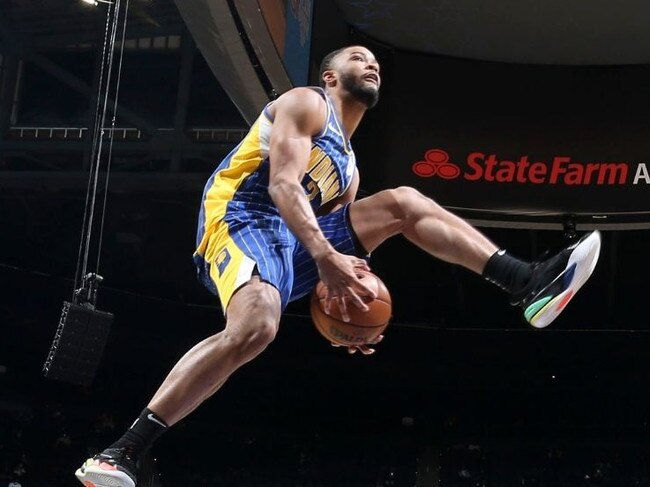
[51,25]
[528,31]
[520,31]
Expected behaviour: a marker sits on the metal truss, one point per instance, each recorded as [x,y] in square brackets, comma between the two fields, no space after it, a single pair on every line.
[58,158]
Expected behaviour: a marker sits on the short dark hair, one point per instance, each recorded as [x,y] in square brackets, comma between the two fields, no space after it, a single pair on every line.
[326,64]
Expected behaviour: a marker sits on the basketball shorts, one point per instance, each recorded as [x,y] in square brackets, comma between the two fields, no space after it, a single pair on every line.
[264,246]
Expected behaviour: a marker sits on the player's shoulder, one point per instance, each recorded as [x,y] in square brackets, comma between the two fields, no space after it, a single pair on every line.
[309,91]
[305,105]
[307,97]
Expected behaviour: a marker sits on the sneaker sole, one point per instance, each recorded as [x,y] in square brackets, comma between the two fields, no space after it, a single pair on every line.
[583,259]
[95,476]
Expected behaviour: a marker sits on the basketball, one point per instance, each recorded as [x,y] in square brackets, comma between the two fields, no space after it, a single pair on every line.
[363,326]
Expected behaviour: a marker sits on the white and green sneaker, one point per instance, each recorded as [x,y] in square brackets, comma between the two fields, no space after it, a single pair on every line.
[556,280]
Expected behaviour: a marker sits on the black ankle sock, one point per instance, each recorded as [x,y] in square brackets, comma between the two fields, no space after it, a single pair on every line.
[506,271]
[142,433]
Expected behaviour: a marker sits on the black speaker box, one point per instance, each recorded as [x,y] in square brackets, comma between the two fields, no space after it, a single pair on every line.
[78,345]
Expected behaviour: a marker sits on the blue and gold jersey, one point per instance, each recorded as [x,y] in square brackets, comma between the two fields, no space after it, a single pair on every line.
[238,189]
[240,229]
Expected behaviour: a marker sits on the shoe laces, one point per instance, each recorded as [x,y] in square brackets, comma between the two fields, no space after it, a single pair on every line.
[118,456]
[543,257]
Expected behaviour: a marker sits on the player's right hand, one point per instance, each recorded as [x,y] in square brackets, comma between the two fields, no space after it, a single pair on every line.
[339,274]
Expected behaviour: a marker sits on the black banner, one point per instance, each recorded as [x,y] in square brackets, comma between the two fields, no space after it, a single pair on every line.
[517,139]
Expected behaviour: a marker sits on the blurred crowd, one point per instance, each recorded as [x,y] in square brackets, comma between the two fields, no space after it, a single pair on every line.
[40,446]
[569,463]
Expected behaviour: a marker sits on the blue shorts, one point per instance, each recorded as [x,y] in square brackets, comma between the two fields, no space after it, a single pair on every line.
[264,246]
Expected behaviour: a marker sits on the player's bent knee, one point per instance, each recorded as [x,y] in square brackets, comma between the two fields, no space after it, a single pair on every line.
[411,202]
[262,332]
[258,336]
[251,330]
[251,337]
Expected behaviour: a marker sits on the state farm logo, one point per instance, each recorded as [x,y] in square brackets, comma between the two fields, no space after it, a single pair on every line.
[436,163]
[560,170]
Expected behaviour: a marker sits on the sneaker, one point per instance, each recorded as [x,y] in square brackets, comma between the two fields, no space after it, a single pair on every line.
[556,280]
[111,468]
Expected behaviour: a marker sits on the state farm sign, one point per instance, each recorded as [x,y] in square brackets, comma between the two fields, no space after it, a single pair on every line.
[560,170]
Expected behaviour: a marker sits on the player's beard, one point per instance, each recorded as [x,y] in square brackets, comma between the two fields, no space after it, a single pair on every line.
[367,95]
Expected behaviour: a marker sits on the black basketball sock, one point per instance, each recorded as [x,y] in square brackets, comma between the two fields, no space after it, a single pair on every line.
[142,433]
[507,272]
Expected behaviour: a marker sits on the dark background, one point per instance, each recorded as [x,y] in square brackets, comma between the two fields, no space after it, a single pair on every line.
[461,385]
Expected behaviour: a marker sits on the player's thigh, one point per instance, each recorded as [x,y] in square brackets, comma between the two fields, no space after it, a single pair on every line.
[378,217]
[254,250]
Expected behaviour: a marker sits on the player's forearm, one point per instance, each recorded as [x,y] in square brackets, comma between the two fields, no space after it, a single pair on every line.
[290,199]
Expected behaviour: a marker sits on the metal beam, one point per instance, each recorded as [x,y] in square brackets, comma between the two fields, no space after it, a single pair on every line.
[217,37]
[22,49]
[54,41]
[84,88]
[262,42]
[160,145]
[126,151]
[183,98]
[617,222]
[60,181]
[7,91]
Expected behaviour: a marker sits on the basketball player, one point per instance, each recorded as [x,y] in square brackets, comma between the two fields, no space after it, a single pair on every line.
[279,213]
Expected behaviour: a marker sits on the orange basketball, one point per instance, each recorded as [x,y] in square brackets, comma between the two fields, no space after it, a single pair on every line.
[363,325]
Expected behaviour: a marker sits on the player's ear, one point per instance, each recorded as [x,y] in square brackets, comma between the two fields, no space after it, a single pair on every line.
[329,77]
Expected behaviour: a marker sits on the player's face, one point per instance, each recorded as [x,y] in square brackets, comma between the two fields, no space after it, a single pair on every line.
[359,74]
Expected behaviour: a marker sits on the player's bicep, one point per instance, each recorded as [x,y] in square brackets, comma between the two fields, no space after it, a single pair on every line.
[297,117]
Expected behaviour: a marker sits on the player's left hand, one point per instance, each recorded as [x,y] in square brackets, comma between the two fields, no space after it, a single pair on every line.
[364,348]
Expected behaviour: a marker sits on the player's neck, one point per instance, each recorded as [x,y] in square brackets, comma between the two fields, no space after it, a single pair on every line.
[350,112]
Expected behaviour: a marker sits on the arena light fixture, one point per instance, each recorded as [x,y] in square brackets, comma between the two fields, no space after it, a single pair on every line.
[96,2]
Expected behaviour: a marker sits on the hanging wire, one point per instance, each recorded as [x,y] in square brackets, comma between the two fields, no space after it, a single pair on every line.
[110,145]
[116,7]
[104,88]
[95,135]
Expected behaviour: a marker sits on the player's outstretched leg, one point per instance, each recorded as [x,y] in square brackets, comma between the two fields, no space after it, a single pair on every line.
[542,289]
[556,280]
[253,318]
